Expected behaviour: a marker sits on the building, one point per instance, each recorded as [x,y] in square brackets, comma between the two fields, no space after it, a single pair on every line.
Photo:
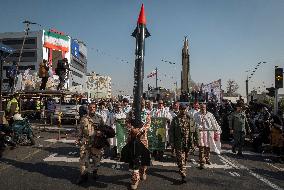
[78,65]
[51,45]
[98,86]
[185,73]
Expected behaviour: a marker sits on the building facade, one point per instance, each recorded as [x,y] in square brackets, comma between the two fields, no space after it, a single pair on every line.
[98,86]
[50,45]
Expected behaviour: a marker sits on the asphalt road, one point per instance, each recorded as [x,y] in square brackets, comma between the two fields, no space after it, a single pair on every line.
[53,164]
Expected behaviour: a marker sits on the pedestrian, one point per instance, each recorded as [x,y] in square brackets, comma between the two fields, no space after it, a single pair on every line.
[183,135]
[209,135]
[140,133]
[43,74]
[11,74]
[238,125]
[61,71]
[113,117]
[162,111]
[50,109]
[90,154]
[126,107]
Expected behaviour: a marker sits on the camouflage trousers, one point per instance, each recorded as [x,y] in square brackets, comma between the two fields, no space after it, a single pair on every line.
[136,175]
[204,155]
[182,158]
[90,158]
[239,141]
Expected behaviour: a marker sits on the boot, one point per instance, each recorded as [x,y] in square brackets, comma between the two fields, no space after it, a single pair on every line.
[95,174]
[83,178]
[234,149]
[183,178]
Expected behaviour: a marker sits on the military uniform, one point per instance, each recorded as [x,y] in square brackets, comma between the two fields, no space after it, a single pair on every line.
[238,123]
[139,174]
[90,156]
[183,134]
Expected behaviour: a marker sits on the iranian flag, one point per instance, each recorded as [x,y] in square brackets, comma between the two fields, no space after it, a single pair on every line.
[56,41]
[153,73]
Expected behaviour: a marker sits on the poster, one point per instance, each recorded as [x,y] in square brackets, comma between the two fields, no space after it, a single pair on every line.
[157,133]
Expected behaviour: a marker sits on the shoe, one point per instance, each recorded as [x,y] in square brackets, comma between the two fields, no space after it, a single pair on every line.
[134,186]
[201,166]
[208,162]
[143,177]
[95,174]
[183,179]
[234,149]
[83,178]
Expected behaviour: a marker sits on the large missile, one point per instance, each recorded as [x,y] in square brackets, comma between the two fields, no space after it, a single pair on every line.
[140,33]
[134,152]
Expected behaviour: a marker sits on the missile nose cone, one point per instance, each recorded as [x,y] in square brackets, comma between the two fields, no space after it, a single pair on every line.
[142,17]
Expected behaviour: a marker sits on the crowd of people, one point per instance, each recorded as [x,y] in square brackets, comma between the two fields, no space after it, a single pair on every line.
[188,126]
[45,71]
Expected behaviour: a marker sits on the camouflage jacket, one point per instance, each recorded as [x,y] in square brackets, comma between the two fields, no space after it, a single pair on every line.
[183,132]
[89,128]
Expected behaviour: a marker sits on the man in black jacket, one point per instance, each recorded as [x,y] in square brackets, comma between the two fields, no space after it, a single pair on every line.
[61,71]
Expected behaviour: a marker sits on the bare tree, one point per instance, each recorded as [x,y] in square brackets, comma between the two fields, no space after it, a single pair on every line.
[232,87]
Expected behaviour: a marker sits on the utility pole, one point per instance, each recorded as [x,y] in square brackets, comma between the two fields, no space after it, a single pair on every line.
[1,79]
[247,89]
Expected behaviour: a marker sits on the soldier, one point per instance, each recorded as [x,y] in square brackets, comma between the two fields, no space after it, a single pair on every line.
[184,135]
[238,126]
[90,154]
[140,133]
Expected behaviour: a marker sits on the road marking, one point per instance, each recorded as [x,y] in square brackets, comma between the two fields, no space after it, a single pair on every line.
[26,157]
[55,158]
[280,169]
[240,166]
[63,140]
[250,153]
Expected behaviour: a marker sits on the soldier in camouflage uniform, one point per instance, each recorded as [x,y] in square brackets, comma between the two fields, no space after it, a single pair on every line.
[141,134]
[238,126]
[90,156]
[184,134]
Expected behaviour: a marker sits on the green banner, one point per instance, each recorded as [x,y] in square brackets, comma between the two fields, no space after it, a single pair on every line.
[157,133]
[121,134]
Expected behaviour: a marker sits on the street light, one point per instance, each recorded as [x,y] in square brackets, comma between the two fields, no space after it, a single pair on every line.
[251,75]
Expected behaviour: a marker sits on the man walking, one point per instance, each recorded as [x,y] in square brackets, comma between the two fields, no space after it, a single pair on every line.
[238,127]
[184,135]
[90,154]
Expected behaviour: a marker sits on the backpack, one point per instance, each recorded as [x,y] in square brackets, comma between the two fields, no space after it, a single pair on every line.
[11,72]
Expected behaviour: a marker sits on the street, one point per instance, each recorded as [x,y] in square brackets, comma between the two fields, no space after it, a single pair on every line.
[54,164]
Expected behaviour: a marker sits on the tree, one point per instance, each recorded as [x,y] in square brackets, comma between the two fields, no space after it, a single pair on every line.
[232,87]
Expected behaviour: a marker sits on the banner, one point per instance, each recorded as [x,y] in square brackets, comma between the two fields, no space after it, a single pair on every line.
[121,134]
[157,133]
[214,90]
[75,48]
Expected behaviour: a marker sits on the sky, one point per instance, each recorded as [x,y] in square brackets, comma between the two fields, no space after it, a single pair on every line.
[226,37]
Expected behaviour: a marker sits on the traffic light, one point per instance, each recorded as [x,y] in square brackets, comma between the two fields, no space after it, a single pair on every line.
[278,78]
[271,91]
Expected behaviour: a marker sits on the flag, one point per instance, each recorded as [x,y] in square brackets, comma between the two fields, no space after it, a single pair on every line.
[153,73]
